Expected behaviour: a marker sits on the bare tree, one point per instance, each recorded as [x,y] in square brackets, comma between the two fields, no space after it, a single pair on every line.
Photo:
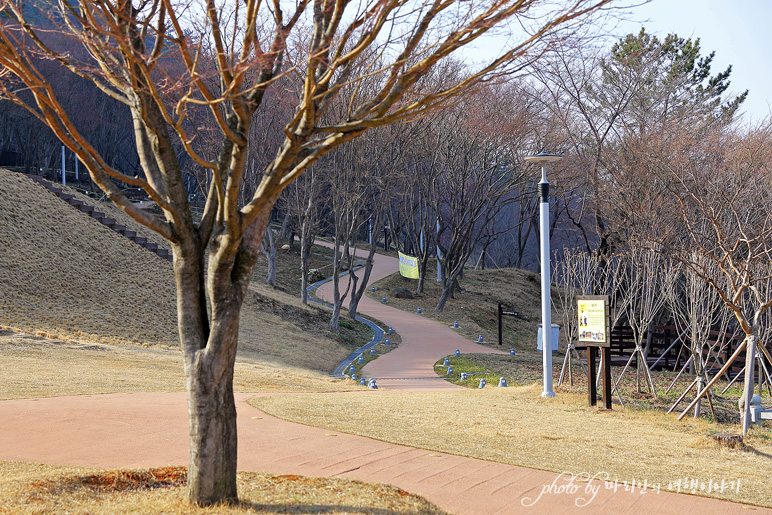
[698,311]
[719,186]
[154,55]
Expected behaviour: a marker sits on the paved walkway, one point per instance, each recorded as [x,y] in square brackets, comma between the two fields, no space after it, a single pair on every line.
[424,341]
[149,429]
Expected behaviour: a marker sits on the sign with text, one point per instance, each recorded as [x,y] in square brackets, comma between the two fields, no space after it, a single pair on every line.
[593,320]
[408,266]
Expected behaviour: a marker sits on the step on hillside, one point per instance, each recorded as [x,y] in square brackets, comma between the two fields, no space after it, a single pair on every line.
[102,218]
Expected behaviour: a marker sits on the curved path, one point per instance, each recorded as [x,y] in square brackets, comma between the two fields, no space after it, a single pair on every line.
[150,429]
[424,341]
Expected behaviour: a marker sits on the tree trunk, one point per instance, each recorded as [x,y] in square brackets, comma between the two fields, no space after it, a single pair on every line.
[269,250]
[213,437]
[209,355]
[422,264]
[356,293]
[304,248]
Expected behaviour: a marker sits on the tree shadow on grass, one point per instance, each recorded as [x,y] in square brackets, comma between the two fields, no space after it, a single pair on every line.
[328,508]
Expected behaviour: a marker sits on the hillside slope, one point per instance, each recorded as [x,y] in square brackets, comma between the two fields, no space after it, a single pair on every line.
[66,275]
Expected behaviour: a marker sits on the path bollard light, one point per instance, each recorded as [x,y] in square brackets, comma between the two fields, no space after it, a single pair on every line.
[372,289]
[352,369]
[372,351]
[511,352]
[463,376]
[383,299]
[455,324]
[457,353]
[372,384]
[480,339]
[361,359]
[418,310]
[388,342]
[450,371]
[446,362]
[482,383]
[389,331]
[502,382]
[354,377]
[363,382]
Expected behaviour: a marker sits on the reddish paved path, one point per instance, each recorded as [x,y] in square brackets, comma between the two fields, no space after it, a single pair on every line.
[149,429]
[424,341]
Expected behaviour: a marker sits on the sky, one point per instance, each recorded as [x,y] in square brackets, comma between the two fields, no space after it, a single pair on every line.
[739,31]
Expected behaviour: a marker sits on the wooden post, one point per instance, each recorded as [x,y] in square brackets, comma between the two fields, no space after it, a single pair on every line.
[500,309]
[592,391]
[606,376]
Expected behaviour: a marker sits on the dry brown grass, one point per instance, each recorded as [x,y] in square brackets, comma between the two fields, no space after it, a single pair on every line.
[39,367]
[66,276]
[517,426]
[29,488]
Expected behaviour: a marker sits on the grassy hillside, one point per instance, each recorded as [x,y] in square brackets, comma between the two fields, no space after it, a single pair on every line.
[65,275]
[475,306]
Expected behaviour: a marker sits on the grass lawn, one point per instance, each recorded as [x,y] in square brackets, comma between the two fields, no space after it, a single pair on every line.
[30,489]
[517,426]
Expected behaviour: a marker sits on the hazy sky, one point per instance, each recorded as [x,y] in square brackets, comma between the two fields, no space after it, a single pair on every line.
[739,31]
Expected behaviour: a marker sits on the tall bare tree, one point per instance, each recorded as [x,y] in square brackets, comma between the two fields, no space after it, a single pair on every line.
[720,185]
[165,59]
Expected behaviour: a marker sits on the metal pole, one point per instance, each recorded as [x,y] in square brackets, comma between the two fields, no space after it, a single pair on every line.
[546,303]
[64,179]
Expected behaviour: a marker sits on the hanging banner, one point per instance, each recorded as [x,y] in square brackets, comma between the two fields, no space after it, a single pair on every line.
[593,319]
[408,266]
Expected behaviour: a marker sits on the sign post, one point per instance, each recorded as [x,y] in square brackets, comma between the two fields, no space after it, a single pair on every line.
[594,333]
[504,311]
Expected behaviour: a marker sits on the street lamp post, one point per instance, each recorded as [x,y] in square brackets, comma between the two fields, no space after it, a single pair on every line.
[546,303]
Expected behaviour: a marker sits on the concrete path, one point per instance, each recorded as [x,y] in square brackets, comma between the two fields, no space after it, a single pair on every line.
[150,429]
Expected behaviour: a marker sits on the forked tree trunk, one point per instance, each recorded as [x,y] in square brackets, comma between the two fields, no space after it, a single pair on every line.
[209,335]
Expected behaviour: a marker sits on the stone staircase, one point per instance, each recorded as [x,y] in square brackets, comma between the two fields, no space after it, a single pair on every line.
[102,218]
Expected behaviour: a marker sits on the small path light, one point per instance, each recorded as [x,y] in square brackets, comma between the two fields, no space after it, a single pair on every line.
[446,362]
[372,351]
[363,382]
[372,384]
[511,352]
[463,376]
[455,324]
[502,382]
[480,339]
[352,369]
[384,299]
[418,310]
[372,288]
[457,353]
[450,371]
[389,331]
[482,383]
[353,377]
[361,359]
[387,342]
